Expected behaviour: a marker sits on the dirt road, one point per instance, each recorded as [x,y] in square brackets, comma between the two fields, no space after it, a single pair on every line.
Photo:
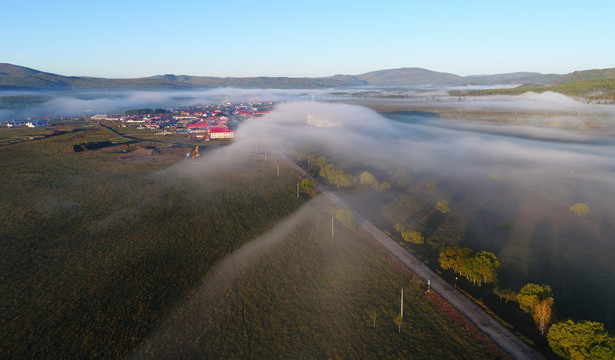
[502,336]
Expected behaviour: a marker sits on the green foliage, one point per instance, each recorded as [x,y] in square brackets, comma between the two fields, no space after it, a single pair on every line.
[582,340]
[414,237]
[579,208]
[455,258]
[344,180]
[486,264]
[321,162]
[531,295]
[373,315]
[311,159]
[345,217]
[442,206]
[368,179]
[143,111]
[479,268]
[17,101]
[399,321]
[329,172]
[308,184]
[384,186]
[334,175]
[593,90]
[108,242]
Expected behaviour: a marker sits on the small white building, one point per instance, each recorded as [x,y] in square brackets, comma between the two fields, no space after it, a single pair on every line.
[318,121]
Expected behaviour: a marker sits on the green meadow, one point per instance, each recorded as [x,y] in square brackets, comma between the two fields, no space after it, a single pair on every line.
[111,251]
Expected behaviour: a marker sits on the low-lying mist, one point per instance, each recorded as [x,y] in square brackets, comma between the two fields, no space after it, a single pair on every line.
[510,181]
[90,102]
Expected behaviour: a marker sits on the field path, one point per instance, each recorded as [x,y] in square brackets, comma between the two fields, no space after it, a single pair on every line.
[498,333]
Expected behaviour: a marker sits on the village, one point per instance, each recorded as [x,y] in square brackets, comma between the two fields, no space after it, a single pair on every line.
[197,122]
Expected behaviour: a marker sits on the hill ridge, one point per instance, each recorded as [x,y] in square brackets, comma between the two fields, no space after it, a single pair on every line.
[16,77]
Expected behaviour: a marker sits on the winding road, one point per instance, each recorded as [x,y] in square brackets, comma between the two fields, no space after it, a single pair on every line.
[498,333]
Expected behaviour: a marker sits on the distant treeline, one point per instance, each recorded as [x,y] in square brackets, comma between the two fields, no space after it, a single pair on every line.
[145,111]
[15,101]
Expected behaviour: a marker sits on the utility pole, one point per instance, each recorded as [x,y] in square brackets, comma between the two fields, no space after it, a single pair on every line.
[278,169]
[297,191]
[402,303]
[332,227]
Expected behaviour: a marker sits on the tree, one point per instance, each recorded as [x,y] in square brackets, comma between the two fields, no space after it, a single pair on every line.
[485,265]
[321,162]
[399,227]
[373,315]
[442,206]
[542,314]
[343,180]
[310,160]
[368,179]
[399,321]
[469,271]
[328,172]
[308,184]
[455,258]
[581,340]
[531,295]
[579,208]
[414,237]
[383,186]
[345,217]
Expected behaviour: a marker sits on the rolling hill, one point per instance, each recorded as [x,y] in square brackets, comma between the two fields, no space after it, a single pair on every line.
[595,74]
[14,77]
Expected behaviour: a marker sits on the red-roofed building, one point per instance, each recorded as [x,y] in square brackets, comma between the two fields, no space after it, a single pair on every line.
[221,132]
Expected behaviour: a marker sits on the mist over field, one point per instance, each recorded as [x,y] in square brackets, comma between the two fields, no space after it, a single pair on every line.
[90,102]
[509,166]
[510,180]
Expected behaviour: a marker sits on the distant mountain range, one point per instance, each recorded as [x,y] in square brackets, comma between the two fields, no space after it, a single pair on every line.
[14,77]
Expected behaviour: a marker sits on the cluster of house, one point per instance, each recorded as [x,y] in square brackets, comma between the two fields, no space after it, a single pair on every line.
[28,123]
[199,122]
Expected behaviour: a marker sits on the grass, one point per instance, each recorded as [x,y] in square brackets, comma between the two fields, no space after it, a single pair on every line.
[594,90]
[309,295]
[530,246]
[102,249]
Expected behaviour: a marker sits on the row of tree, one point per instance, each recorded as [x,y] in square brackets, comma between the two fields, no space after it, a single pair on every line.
[568,339]
[369,180]
[337,177]
[581,340]
[478,267]
[411,236]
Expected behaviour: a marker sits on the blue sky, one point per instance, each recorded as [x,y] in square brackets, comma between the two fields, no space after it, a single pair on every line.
[308,38]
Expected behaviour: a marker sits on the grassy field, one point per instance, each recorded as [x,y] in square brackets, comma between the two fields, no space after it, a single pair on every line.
[531,230]
[601,90]
[110,252]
